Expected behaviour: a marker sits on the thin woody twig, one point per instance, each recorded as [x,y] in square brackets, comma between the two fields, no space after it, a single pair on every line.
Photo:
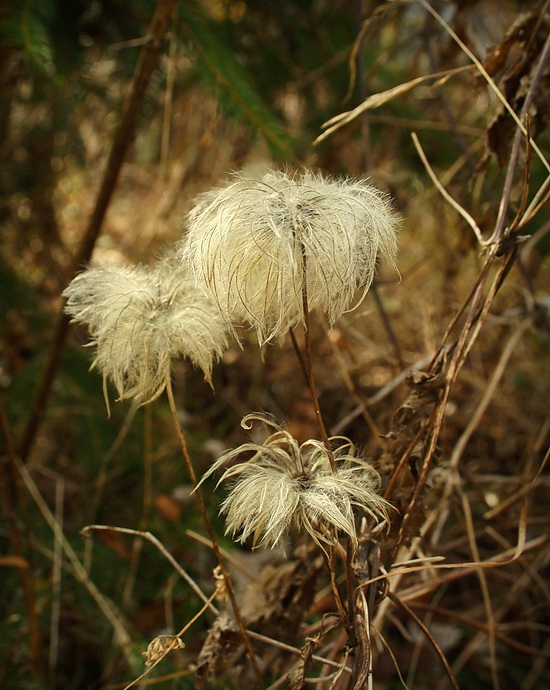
[111,613]
[309,365]
[400,604]
[148,536]
[10,494]
[507,190]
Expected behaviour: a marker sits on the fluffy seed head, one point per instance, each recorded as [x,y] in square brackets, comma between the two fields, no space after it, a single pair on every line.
[140,319]
[253,243]
[284,484]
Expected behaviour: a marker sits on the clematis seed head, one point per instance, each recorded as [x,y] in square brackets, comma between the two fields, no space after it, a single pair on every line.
[254,243]
[140,319]
[283,484]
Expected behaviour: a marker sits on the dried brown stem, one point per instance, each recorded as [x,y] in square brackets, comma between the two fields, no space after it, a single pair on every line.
[123,138]
[309,365]
[387,325]
[400,604]
[85,532]
[499,230]
[479,625]
[111,613]
[9,489]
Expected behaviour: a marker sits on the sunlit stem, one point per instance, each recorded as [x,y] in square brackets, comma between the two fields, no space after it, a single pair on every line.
[351,584]
[309,366]
[328,557]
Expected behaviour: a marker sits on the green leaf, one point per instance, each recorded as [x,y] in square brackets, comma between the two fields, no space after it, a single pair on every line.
[219,64]
[27,29]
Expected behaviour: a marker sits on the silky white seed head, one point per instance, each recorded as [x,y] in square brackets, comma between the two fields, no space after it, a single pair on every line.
[140,319]
[254,242]
[284,484]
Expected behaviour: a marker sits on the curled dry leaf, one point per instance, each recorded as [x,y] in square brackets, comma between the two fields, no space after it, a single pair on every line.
[512,64]
[221,651]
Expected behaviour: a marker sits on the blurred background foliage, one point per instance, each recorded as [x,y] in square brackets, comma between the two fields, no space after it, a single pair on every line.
[242,85]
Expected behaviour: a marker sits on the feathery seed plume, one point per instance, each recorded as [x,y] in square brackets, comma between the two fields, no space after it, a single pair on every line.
[141,318]
[284,484]
[254,242]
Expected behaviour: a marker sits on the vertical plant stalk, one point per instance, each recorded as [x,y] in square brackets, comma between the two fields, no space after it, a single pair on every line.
[123,137]
[362,672]
[351,586]
[211,533]
[309,364]
[329,559]
[477,314]
[106,606]
[53,654]
[500,225]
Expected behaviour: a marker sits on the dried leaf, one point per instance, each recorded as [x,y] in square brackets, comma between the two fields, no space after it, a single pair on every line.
[281,597]
[116,543]
[512,64]
[297,675]
[168,507]
[220,651]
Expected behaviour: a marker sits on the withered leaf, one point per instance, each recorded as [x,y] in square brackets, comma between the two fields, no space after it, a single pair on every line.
[512,65]
[222,647]
[279,599]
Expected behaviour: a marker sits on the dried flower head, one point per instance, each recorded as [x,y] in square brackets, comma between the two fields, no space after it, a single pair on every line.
[254,243]
[140,319]
[284,484]
[159,647]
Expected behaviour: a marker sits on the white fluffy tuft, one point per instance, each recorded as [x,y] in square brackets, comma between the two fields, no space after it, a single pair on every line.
[140,319]
[249,241]
[284,484]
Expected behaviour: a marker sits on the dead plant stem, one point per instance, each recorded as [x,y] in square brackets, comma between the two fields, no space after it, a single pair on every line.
[488,392]
[400,604]
[146,504]
[460,209]
[484,589]
[309,364]
[328,557]
[486,76]
[148,536]
[111,613]
[514,154]
[56,584]
[387,325]
[123,137]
